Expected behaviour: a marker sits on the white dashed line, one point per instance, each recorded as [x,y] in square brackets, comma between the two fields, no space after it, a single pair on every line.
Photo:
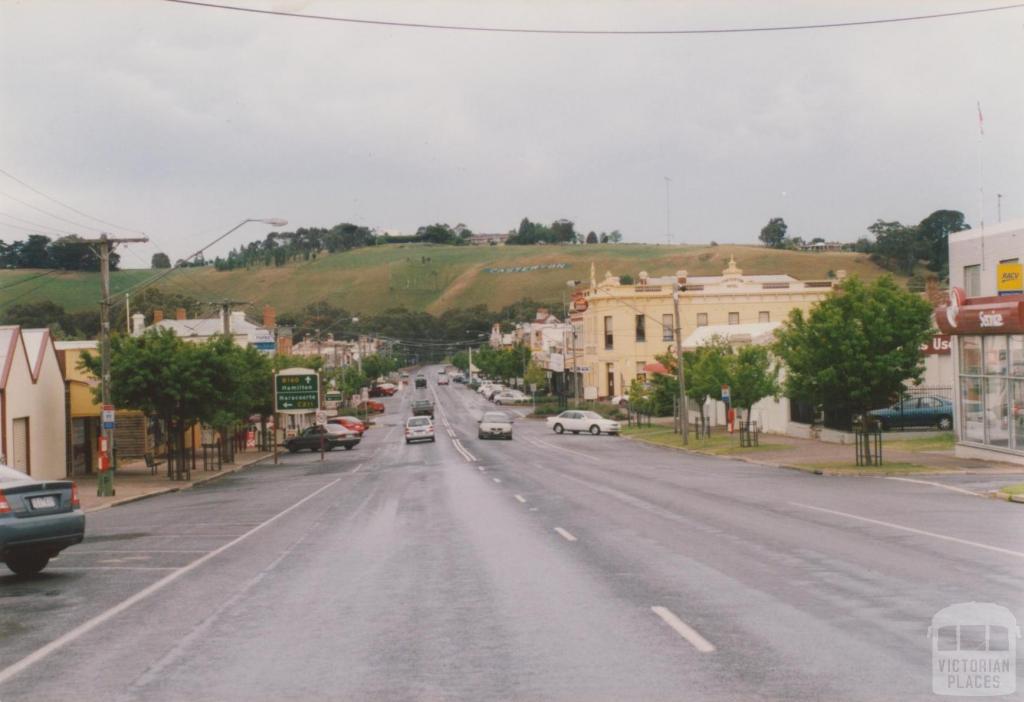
[521,499]
[938,485]
[684,630]
[564,534]
[921,532]
[497,480]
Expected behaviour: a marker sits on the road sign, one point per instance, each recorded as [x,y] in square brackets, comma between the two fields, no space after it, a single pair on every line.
[333,396]
[321,417]
[725,393]
[108,416]
[297,391]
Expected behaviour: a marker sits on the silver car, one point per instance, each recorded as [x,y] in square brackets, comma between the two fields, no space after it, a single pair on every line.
[38,519]
[495,425]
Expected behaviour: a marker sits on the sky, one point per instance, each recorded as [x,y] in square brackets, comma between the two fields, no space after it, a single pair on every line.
[181,121]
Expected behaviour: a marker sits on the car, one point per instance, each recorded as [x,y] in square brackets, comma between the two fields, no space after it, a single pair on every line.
[38,520]
[423,408]
[494,425]
[419,429]
[620,400]
[421,381]
[510,397]
[458,378]
[352,423]
[583,420]
[330,436]
[371,406]
[442,378]
[921,411]
[493,390]
[383,390]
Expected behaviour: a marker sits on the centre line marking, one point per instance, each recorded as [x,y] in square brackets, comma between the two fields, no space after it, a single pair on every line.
[497,480]
[921,532]
[938,485]
[521,499]
[564,534]
[84,628]
[684,630]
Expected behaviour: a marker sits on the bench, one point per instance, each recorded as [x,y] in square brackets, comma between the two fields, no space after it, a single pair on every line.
[152,463]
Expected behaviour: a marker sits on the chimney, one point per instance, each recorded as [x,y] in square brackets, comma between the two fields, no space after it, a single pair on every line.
[269,317]
[158,316]
[179,314]
[138,323]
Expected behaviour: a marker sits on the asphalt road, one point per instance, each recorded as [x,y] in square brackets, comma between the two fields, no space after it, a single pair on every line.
[544,568]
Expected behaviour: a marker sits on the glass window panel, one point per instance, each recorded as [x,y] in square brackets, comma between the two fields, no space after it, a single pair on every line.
[734,318]
[972,637]
[1017,355]
[702,319]
[995,355]
[946,639]
[998,638]
[1017,408]
[997,421]
[972,280]
[970,355]
[972,412]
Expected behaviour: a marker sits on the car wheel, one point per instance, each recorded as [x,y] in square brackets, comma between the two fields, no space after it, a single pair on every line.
[559,429]
[945,423]
[883,425]
[27,563]
[292,449]
[330,448]
[595,430]
[481,437]
[408,441]
[349,447]
[433,439]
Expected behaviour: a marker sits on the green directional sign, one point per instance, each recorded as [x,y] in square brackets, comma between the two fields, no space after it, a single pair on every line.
[297,392]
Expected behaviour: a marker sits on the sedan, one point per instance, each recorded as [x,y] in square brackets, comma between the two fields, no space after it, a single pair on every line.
[495,425]
[582,420]
[38,519]
[510,397]
[923,411]
[419,429]
[370,406]
[330,436]
[351,423]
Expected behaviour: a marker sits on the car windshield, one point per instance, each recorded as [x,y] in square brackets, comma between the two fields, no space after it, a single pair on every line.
[495,417]
[419,422]
[591,415]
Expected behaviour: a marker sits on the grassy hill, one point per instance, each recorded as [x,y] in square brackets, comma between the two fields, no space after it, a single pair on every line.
[431,278]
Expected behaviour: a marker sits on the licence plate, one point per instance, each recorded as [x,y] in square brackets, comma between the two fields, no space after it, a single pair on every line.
[48,502]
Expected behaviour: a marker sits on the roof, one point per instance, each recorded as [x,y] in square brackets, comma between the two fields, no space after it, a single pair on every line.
[204,327]
[88,345]
[752,333]
[8,345]
[34,341]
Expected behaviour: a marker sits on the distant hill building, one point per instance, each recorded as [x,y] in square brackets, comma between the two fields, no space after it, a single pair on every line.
[488,239]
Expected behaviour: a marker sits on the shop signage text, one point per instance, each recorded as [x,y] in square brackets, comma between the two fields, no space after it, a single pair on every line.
[980,315]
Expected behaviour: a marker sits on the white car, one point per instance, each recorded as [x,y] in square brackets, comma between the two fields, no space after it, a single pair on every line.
[582,420]
[442,378]
[493,390]
[419,429]
[510,397]
[495,425]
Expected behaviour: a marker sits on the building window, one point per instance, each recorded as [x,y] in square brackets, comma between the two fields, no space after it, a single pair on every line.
[702,319]
[609,338]
[734,318]
[972,280]
[641,374]
[989,392]
[641,329]
[668,323]
[764,317]
[611,379]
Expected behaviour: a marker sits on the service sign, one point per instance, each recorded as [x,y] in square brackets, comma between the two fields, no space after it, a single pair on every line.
[1010,278]
[980,315]
[297,391]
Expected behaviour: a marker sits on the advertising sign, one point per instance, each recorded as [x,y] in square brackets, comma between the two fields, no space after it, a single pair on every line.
[938,345]
[980,315]
[296,391]
[1010,278]
[108,417]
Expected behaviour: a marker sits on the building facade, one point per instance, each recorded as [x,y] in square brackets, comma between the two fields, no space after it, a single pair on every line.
[242,331]
[984,318]
[624,326]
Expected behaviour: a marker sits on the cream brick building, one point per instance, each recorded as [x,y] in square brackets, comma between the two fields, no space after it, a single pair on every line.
[624,326]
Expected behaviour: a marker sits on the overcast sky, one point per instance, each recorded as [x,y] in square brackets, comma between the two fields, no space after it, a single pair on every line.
[181,121]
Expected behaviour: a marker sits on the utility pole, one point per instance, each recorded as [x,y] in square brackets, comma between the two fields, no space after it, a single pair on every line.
[999,207]
[683,412]
[668,221]
[225,311]
[104,245]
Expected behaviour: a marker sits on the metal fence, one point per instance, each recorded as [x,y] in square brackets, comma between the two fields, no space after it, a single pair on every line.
[926,406]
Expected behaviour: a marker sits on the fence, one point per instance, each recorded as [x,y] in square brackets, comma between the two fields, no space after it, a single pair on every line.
[921,406]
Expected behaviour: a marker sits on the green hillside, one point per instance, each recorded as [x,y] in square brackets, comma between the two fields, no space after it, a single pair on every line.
[431,278]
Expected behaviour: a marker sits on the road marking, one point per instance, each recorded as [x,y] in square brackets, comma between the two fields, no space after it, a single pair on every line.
[84,628]
[497,480]
[564,534]
[684,630]
[544,444]
[921,532]
[480,468]
[57,566]
[462,451]
[521,499]
[938,485]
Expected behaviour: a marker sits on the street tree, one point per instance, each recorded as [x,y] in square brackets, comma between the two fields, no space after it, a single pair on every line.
[707,369]
[773,234]
[536,377]
[752,376]
[856,349]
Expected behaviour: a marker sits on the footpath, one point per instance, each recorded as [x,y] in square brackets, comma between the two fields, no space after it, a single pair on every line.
[903,453]
[134,481]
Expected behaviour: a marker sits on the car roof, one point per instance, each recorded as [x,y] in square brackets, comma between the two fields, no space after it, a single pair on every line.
[418,420]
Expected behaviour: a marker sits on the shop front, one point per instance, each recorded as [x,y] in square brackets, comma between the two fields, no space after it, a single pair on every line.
[988,346]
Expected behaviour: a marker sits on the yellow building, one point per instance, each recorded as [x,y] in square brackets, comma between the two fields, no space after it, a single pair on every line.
[625,326]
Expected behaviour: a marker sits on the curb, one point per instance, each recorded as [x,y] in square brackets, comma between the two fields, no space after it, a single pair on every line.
[179,488]
[999,495]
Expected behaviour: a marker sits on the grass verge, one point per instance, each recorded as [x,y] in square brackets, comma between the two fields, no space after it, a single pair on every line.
[1015,489]
[717,444]
[944,442]
[842,468]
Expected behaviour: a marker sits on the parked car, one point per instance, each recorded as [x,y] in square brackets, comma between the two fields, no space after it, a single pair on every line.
[334,435]
[423,408]
[38,520]
[458,378]
[495,425]
[351,423]
[620,400]
[493,390]
[510,397]
[383,390]
[419,429]
[922,411]
[371,406]
[582,420]
[421,381]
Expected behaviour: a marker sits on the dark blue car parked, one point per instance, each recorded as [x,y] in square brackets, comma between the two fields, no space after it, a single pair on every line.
[919,411]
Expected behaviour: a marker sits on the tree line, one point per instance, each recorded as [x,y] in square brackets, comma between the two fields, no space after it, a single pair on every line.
[896,246]
[67,253]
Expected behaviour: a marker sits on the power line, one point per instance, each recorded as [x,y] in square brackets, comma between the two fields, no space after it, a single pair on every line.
[14,299]
[597,32]
[25,280]
[48,214]
[65,205]
[36,225]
